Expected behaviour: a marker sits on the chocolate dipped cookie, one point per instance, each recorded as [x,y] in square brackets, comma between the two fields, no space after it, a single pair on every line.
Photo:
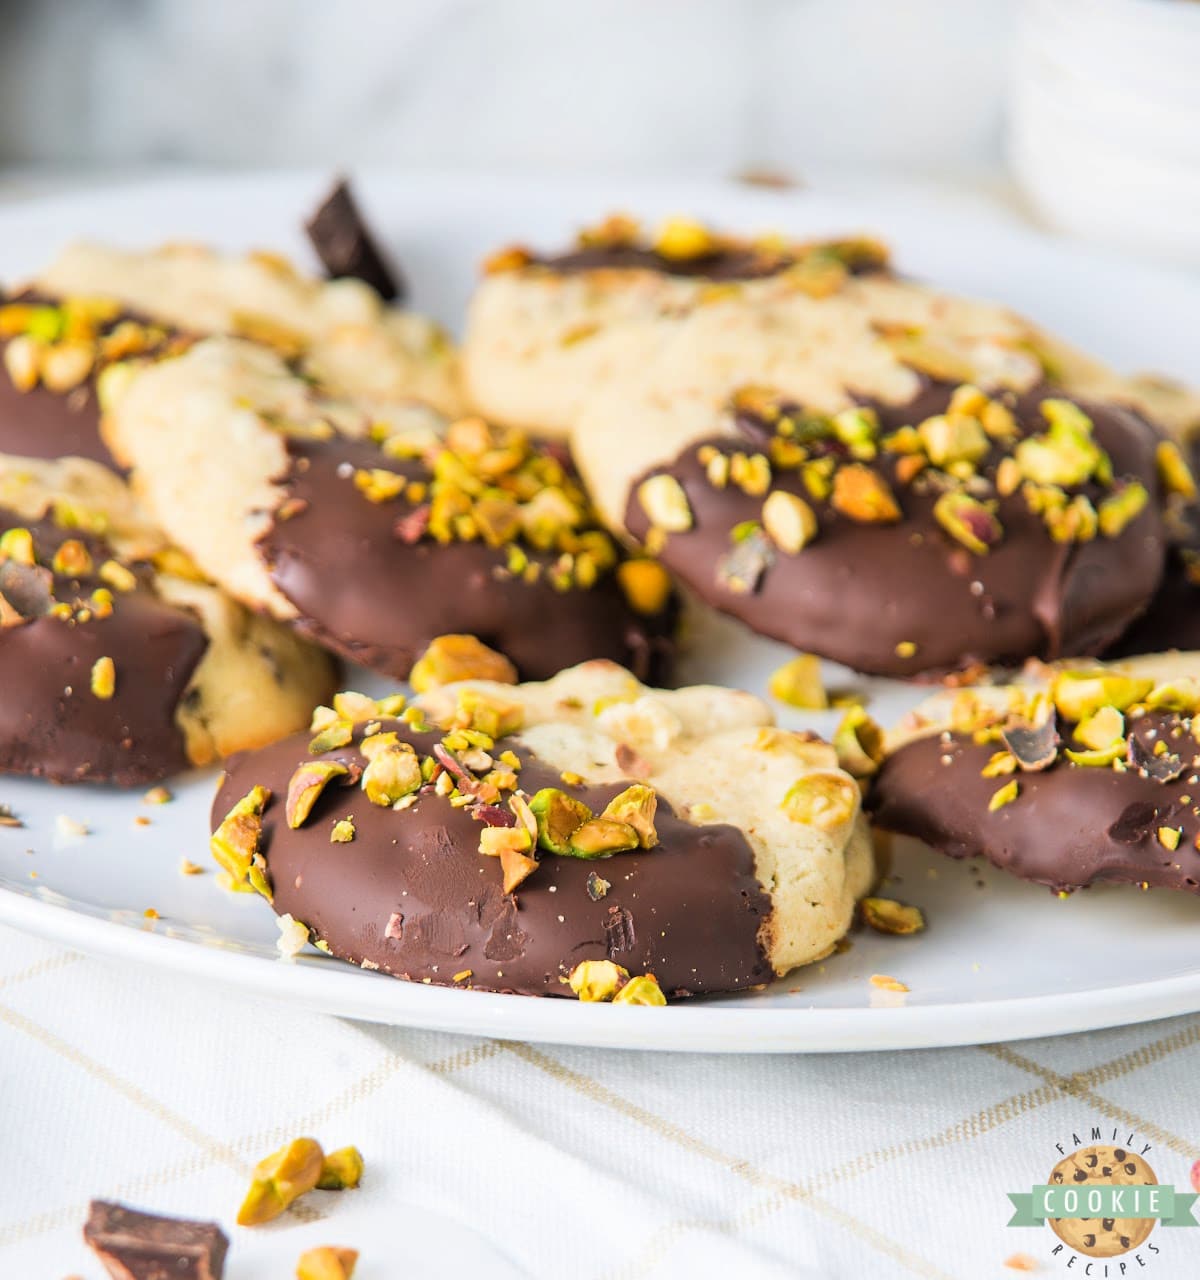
[376,528]
[691,312]
[501,837]
[71,338]
[961,529]
[119,663]
[1090,775]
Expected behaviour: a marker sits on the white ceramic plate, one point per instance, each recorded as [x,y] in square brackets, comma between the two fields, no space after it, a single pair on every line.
[1000,960]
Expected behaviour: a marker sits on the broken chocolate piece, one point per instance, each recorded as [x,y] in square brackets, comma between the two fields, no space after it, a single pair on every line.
[1163,766]
[347,248]
[1034,747]
[146,1246]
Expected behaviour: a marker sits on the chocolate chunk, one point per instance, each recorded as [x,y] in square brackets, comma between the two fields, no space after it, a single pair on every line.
[1163,766]
[1035,747]
[346,247]
[146,1246]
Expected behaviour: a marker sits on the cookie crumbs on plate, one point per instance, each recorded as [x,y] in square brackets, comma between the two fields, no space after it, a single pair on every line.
[141,820]
[150,914]
[886,992]
[189,868]
[69,827]
[157,795]
[8,818]
[885,983]
[1022,1262]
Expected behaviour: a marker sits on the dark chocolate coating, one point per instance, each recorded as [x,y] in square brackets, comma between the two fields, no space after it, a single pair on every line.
[1173,619]
[149,1246]
[346,247]
[48,424]
[1069,827]
[373,598]
[730,263]
[859,590]
[51,724]
[689,911]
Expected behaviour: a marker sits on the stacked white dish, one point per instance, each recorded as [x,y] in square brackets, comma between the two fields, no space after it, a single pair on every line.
[1104,121]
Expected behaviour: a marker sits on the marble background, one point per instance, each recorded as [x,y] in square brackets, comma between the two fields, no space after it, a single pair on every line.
[696,87]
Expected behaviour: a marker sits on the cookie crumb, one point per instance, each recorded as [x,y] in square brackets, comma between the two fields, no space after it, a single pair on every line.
[189,868]
[157,795]
[8,818]
[1022,1262]
[69,827]
[293,937]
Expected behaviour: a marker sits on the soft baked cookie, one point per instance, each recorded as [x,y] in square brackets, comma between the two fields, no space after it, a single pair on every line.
[375,528]
[98,306]
[1091,776]
[961,529]
[596,797]
[545,333]
[691,313]
[1112,1166]
[118,663]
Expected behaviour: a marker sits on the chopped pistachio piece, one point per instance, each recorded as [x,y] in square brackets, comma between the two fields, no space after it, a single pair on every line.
[788,521]
[596,980]
[602,837]
[635,807]
[954,437]
[1101,729]
[326,1262]
[281,1179]
[666,505]
[1080,694]
[684,239]
[516,868]
[72,559]
[858,741]
[1169,837]
[353,706]
[641,990]
[645,584]
[1174,472]
[493,841]
[1121,507]
[235,842]
[968,521]
[885,915]
[17,544]
[343,831]
[117,575]
[451,658]
[1098,758]
[798,684]
[104,678]
[306,785]
[392,773]
[863,495]
[487,713]
[338,734]
[341,1169]
[1005,795]
[823,800]
[558,816]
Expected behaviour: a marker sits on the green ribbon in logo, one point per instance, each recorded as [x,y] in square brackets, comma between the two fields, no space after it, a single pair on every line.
[1102,1200]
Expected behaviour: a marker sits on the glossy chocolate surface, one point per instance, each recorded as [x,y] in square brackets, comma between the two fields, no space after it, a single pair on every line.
[412,896]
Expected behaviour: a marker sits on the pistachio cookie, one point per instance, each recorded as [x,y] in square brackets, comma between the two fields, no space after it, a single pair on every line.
[553,838]
[689,313]
[119,663]
[961,529]
[375,531]
[1091,775]
[98,307]
[544,333]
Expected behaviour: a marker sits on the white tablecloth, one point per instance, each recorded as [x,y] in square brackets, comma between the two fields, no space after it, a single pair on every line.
[501,1159]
